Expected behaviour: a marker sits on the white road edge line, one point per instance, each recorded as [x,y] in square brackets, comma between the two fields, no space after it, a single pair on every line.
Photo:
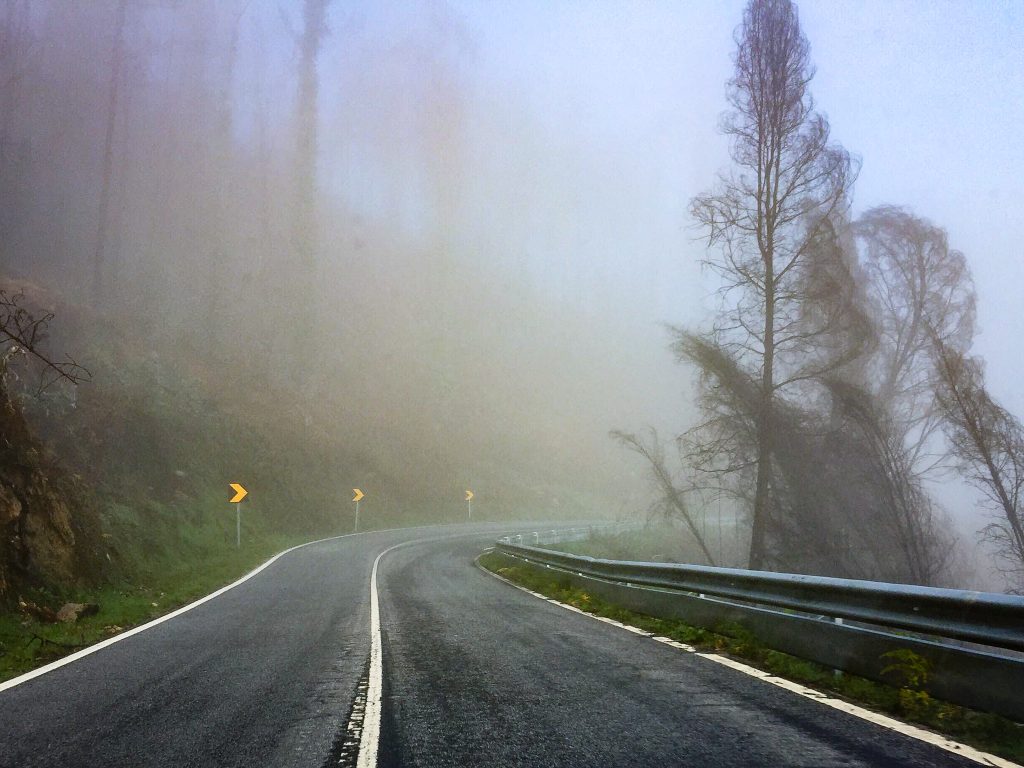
[801,690]
[14,681]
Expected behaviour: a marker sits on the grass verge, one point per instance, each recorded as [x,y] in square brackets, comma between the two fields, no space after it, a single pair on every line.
[26,643]
[981,730]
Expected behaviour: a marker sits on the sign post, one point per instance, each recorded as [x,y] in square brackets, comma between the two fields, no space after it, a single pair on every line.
[358,495]
[469,504]
[240,493]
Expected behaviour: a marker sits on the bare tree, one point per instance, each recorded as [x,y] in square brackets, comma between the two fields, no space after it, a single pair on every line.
[918,288]
[988,440]
[880,500]
[651,450]
[843,502]
[24,333]
[768,214]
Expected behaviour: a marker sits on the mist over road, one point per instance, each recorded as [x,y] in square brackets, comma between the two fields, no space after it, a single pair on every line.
[475,673]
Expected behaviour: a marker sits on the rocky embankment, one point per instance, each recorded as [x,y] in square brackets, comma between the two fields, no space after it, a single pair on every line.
[49,534]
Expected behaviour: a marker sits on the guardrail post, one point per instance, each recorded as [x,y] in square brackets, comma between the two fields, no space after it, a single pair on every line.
[837,673]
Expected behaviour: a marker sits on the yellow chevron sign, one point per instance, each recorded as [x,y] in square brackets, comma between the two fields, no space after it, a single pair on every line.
[240,493]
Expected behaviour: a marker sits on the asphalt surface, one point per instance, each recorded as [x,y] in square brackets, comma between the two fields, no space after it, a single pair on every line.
[476,673]
[263,675]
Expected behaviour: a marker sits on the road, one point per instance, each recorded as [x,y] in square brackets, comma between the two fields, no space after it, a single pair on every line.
[475,673]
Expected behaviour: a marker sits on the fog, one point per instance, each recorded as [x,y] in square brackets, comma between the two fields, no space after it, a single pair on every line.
[455,232]
[458,338]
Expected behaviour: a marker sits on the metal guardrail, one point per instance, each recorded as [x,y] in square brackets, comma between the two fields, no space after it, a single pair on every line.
[806,615]
[980,617]
[566,535]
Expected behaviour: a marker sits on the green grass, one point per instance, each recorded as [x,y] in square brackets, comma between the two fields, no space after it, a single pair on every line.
[981,730]
[144,595]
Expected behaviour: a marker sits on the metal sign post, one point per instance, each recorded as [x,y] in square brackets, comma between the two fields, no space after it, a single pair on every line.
[240,493]
[358,495]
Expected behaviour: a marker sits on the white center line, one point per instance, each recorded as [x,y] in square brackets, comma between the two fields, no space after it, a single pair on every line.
[370,737]
[369,740]
[5,685]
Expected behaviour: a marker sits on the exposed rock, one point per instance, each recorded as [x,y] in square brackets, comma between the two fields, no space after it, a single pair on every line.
[42,541]
[72,612]
[48,536]
[10,507]
[38,612]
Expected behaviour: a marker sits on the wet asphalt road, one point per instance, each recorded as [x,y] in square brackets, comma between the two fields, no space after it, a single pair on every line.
[476,673]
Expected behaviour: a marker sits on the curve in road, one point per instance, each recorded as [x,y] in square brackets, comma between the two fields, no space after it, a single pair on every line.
[471,672]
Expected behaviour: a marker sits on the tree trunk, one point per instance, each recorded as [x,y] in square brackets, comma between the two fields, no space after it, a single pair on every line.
[108,154]
[764,428]
[223,170]
[304,211]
